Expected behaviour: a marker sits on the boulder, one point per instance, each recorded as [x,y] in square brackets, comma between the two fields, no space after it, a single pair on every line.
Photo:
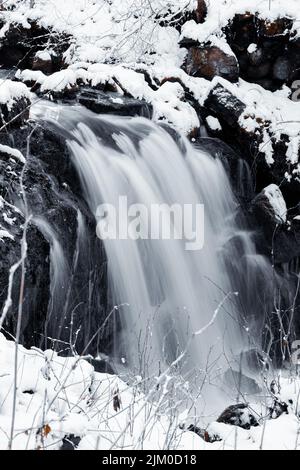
[238,415]
[269,207]
[224,105]
[209,61]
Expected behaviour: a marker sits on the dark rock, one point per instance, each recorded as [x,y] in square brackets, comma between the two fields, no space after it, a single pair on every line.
[209,61]
[238,415]
[114,103]
[15,115]
[253,360]
[264,211]
[223,104]
[259,71]
[43,62]
[102,366]
[278,28]
[19,45]
[70,442]
[177,20]
[242,31]
[201,11]
[278,409]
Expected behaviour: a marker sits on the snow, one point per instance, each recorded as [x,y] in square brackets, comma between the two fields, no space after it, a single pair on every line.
[220,12]
[213,123]
[5,234]
[43,55]
[58,396]
[252,48]
[12,152]
[10,91]
[277,202]
[104,32]
[66,396]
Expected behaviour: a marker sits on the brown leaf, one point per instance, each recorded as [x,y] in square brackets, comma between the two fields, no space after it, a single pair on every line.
[46,430]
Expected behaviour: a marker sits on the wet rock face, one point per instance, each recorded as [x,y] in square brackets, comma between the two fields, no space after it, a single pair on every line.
[36,292]
[53,195]
[208,61]
[230,111]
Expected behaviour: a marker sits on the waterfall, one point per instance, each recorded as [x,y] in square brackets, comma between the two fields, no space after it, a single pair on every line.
[59,275]
[193,310]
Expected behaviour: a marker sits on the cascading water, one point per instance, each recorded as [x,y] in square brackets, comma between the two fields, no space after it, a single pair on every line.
[176,306]
[59,275]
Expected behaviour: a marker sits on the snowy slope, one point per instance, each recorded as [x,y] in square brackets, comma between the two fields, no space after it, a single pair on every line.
[58,397]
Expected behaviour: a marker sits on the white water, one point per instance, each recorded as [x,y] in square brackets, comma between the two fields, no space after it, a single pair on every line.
[170,293]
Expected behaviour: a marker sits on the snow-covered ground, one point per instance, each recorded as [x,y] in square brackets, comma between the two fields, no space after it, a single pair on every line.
[57,397]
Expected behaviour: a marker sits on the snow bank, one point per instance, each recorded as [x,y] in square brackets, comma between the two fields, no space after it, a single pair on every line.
[57,397]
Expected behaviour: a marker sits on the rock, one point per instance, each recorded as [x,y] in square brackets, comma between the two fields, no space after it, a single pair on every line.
[177,20]
[209,61]
[269,207]
[43,61]
[206,435]
[242,31]
[236,167]
[278,28]
[201,11]
[224,105]
[54,195]
[114,103]
[70,442]
[278,409]
[238,415]
[258,72]
[20,44]
[16,115]
[14,104]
